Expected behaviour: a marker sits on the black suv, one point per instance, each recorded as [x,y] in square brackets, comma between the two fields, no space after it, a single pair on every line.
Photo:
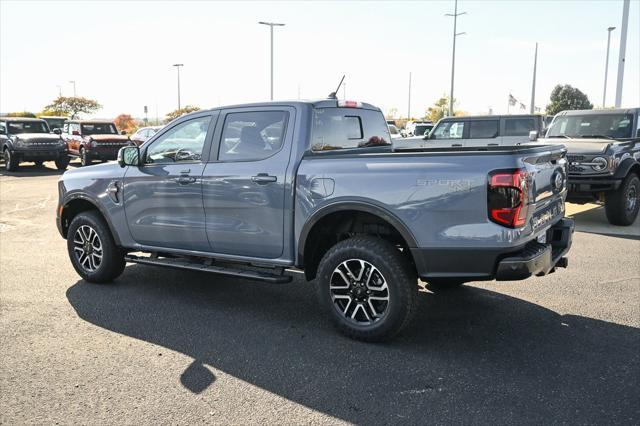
[603,152]
[29,139]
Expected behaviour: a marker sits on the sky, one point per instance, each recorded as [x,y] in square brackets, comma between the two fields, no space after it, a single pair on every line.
[120,52]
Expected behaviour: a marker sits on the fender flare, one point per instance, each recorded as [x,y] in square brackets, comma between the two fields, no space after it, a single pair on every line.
[359,206]
[73,197]
[625,167]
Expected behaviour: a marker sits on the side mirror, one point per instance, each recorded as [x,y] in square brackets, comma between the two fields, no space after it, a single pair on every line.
[3,131]
[129,156]
[57,131]
[533,135]
[123,133]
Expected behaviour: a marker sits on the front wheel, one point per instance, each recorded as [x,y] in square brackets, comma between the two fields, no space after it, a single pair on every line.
[10,161]
[622,205]
[62,163]
[92,250]
[84,158]
[368,288]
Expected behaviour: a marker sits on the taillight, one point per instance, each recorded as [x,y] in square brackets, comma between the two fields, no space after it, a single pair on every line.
[507,197]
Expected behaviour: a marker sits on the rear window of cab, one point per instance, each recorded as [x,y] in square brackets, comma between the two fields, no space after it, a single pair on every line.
[348,128]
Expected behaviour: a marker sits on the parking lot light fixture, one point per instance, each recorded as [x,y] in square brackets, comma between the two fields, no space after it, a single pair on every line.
[271,25]
[606,67]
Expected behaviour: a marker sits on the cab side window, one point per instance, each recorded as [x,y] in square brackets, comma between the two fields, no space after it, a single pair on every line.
[518,126]
[184,142]
[252,136]
[449,130]
[483,129]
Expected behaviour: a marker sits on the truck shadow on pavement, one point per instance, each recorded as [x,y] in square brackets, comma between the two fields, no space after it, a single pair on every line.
[471,356]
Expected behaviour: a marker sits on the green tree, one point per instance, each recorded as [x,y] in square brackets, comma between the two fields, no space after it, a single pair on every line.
[22,114]
[179,112]
[52,113]
[565,97]
[72,106]
[440,109]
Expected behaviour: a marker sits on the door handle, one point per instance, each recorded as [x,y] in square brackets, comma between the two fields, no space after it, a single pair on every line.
[184,180]
[457,144]
[263,178]
[494,144]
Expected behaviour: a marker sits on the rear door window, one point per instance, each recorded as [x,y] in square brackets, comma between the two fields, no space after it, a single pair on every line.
[344,128]
[252,136]
[483,129]
[518,126]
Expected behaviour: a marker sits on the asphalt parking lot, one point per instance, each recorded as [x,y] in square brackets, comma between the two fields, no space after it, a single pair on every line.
[165,346]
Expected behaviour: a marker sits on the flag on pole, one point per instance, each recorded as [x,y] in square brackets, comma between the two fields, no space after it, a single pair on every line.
[522,106]
[512,100]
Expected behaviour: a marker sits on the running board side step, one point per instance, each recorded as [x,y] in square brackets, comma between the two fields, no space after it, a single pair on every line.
[221,270]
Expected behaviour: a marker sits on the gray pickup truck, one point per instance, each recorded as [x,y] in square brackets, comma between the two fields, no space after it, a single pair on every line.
[262,190]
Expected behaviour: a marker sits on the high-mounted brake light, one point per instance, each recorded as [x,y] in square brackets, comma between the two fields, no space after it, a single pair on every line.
[507,195]
[349,104]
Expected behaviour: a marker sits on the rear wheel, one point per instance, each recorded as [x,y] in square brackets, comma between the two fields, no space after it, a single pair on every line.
[92,250]
[368,288]
[10,160]
[62,163]
[622,205]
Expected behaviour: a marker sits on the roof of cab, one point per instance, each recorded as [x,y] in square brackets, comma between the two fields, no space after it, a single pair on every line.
[489,117]
[91,121]
[321,103]
[600,111]
[20,119]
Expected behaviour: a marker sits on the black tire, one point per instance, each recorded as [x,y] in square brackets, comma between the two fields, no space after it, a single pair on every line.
[62,163]
[112,261]
[84,157]
[392,267]
[444,283]
[11,162]
[622,206]
[38,163]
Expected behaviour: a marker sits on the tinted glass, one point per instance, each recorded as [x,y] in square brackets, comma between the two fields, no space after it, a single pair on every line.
[184,142]
[340,128]
[17,127]
[99,129]
[483,129]
[448,130]
[422,129]
[518,126]
[592,126]
[252,136]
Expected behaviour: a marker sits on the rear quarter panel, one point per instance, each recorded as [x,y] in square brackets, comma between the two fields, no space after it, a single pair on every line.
[441,199]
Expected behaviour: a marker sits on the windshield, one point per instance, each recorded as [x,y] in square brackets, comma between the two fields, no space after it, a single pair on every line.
[17,127]
[422,129]
[609,126]
[99,129]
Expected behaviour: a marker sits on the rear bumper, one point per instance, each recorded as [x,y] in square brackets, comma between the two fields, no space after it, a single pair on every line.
[515,263]
[538,258]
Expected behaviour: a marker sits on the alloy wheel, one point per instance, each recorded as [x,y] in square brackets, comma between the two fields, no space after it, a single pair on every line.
[88,248]
[632,198]
[359,292]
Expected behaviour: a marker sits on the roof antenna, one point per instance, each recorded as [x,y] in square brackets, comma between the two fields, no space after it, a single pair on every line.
[333,95]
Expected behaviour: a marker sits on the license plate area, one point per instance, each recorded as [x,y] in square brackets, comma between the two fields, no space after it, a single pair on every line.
[543,217]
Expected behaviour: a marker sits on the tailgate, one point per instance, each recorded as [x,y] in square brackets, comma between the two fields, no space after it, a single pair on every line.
[547,186]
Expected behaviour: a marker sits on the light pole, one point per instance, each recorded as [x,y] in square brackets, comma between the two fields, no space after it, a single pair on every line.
[59,90]
[178,68]
[623,49]
[409,100]
[606,67]
[453,55]
[74,87]
[271,25]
